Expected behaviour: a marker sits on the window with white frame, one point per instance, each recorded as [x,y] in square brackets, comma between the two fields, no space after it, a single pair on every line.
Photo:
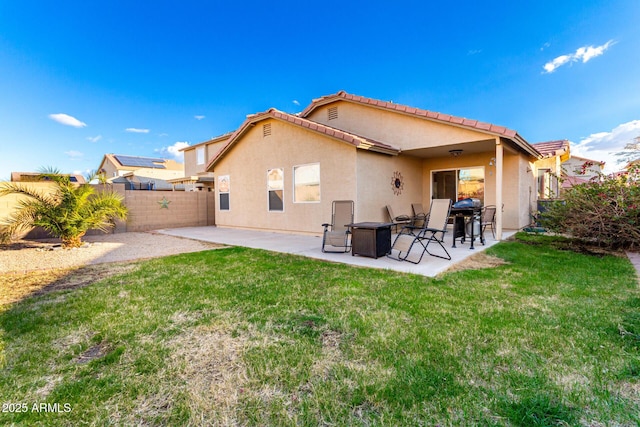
[275,190]
[224,189]
[200,155]
[306,183]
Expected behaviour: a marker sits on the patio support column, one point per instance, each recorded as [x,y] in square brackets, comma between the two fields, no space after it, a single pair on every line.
[499,178]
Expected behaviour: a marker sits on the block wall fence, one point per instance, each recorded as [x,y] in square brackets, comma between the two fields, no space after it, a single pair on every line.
[148,210]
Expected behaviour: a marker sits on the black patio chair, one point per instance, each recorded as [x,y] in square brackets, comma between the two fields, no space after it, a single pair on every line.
[411,236]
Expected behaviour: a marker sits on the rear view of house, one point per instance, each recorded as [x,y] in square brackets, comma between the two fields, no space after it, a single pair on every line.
[281,172]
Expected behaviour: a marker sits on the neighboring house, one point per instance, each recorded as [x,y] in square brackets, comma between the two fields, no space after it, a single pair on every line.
[196,158]
[580,170]
[37,177]
[549,168]
[141,172]
[281,172]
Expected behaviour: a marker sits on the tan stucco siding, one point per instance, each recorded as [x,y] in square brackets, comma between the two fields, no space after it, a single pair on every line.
[516,180]
[288,146]
[191,166]
[402,131]
[375,172]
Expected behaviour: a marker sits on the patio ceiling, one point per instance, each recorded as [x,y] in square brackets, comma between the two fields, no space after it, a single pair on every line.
[472,147]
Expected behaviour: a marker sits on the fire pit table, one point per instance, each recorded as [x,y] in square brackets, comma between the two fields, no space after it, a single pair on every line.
[370,239]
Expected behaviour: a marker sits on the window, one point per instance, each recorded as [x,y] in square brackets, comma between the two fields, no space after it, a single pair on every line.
[306,183]
[200,155]
[275,190]
[459,184]
[223,192]
[548,185]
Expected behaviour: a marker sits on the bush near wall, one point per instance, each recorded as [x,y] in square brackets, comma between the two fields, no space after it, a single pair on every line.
[604,211]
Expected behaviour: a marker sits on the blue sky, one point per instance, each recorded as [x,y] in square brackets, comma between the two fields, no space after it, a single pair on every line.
[81,79]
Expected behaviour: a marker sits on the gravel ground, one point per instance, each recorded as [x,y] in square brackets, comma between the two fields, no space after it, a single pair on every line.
[25,256]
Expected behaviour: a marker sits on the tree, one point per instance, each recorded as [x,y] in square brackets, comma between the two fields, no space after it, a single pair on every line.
[604,211]
[67,212]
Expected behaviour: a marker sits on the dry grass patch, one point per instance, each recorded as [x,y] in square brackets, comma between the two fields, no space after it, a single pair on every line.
[477,262]
[209,362]
[17,286]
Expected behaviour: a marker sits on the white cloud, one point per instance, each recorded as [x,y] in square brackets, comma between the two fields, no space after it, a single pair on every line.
[295,101]
[604,146]
[74,154]
[67,120]
[174,150]
[199,117]
[94,138]
[136,130]
[584,54]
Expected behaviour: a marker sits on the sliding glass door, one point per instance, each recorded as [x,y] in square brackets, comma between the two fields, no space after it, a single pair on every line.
[458,184]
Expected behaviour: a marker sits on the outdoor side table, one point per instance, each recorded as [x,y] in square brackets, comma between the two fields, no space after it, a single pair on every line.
[370,239]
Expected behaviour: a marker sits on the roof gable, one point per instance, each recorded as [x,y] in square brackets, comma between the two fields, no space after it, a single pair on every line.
[446,118]
[356,141]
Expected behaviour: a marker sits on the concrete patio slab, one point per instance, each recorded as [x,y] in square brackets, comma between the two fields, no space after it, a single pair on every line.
[310,246]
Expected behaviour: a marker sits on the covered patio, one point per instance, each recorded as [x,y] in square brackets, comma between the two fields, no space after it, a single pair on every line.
[310,246]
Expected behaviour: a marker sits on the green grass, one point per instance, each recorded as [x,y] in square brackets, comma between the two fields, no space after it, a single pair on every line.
[239,336]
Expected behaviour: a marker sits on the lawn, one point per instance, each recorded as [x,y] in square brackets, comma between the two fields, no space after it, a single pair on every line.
[247,337]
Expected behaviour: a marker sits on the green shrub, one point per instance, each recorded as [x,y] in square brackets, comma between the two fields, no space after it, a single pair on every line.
[604,211]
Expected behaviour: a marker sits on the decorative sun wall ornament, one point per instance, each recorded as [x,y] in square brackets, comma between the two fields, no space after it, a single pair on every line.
[397,183]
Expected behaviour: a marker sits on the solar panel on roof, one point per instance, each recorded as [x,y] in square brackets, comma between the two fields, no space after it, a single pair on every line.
[142,162]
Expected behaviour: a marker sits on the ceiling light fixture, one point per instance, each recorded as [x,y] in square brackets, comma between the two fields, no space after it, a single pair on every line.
[455,153]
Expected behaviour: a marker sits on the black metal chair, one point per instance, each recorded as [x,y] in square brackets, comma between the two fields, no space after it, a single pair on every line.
[337,234]
[397,220]
[419,215]
[410,235]
[488,217]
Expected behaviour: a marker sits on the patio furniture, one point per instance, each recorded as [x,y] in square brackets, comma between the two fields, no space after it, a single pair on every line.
[410,235]
[397,220]
[488,217]
[371,239]
[337,233]
[419,216]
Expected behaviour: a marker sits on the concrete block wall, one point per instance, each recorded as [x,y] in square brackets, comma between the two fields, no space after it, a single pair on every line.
[151,210]
[147,209]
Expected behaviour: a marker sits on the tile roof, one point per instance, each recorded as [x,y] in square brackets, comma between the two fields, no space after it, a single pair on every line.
[431,115]
[347,137]
[213,140]
[552,148]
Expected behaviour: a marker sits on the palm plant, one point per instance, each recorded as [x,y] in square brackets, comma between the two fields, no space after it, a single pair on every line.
[67,212]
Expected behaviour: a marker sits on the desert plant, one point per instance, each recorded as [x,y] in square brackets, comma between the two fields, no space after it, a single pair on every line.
[604,211]
[67,212]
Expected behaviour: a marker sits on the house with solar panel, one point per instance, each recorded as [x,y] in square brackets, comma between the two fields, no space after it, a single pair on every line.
[140,173]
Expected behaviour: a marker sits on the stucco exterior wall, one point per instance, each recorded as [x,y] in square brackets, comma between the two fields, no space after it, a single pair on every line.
[254,154]
[191,166]
[374,190]
[401,131]
[573,167]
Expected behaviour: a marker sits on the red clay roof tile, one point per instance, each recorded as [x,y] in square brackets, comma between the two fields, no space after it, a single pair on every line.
[355,140]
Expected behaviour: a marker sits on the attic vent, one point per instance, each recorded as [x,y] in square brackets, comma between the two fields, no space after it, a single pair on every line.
[266,130]
[332,113]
